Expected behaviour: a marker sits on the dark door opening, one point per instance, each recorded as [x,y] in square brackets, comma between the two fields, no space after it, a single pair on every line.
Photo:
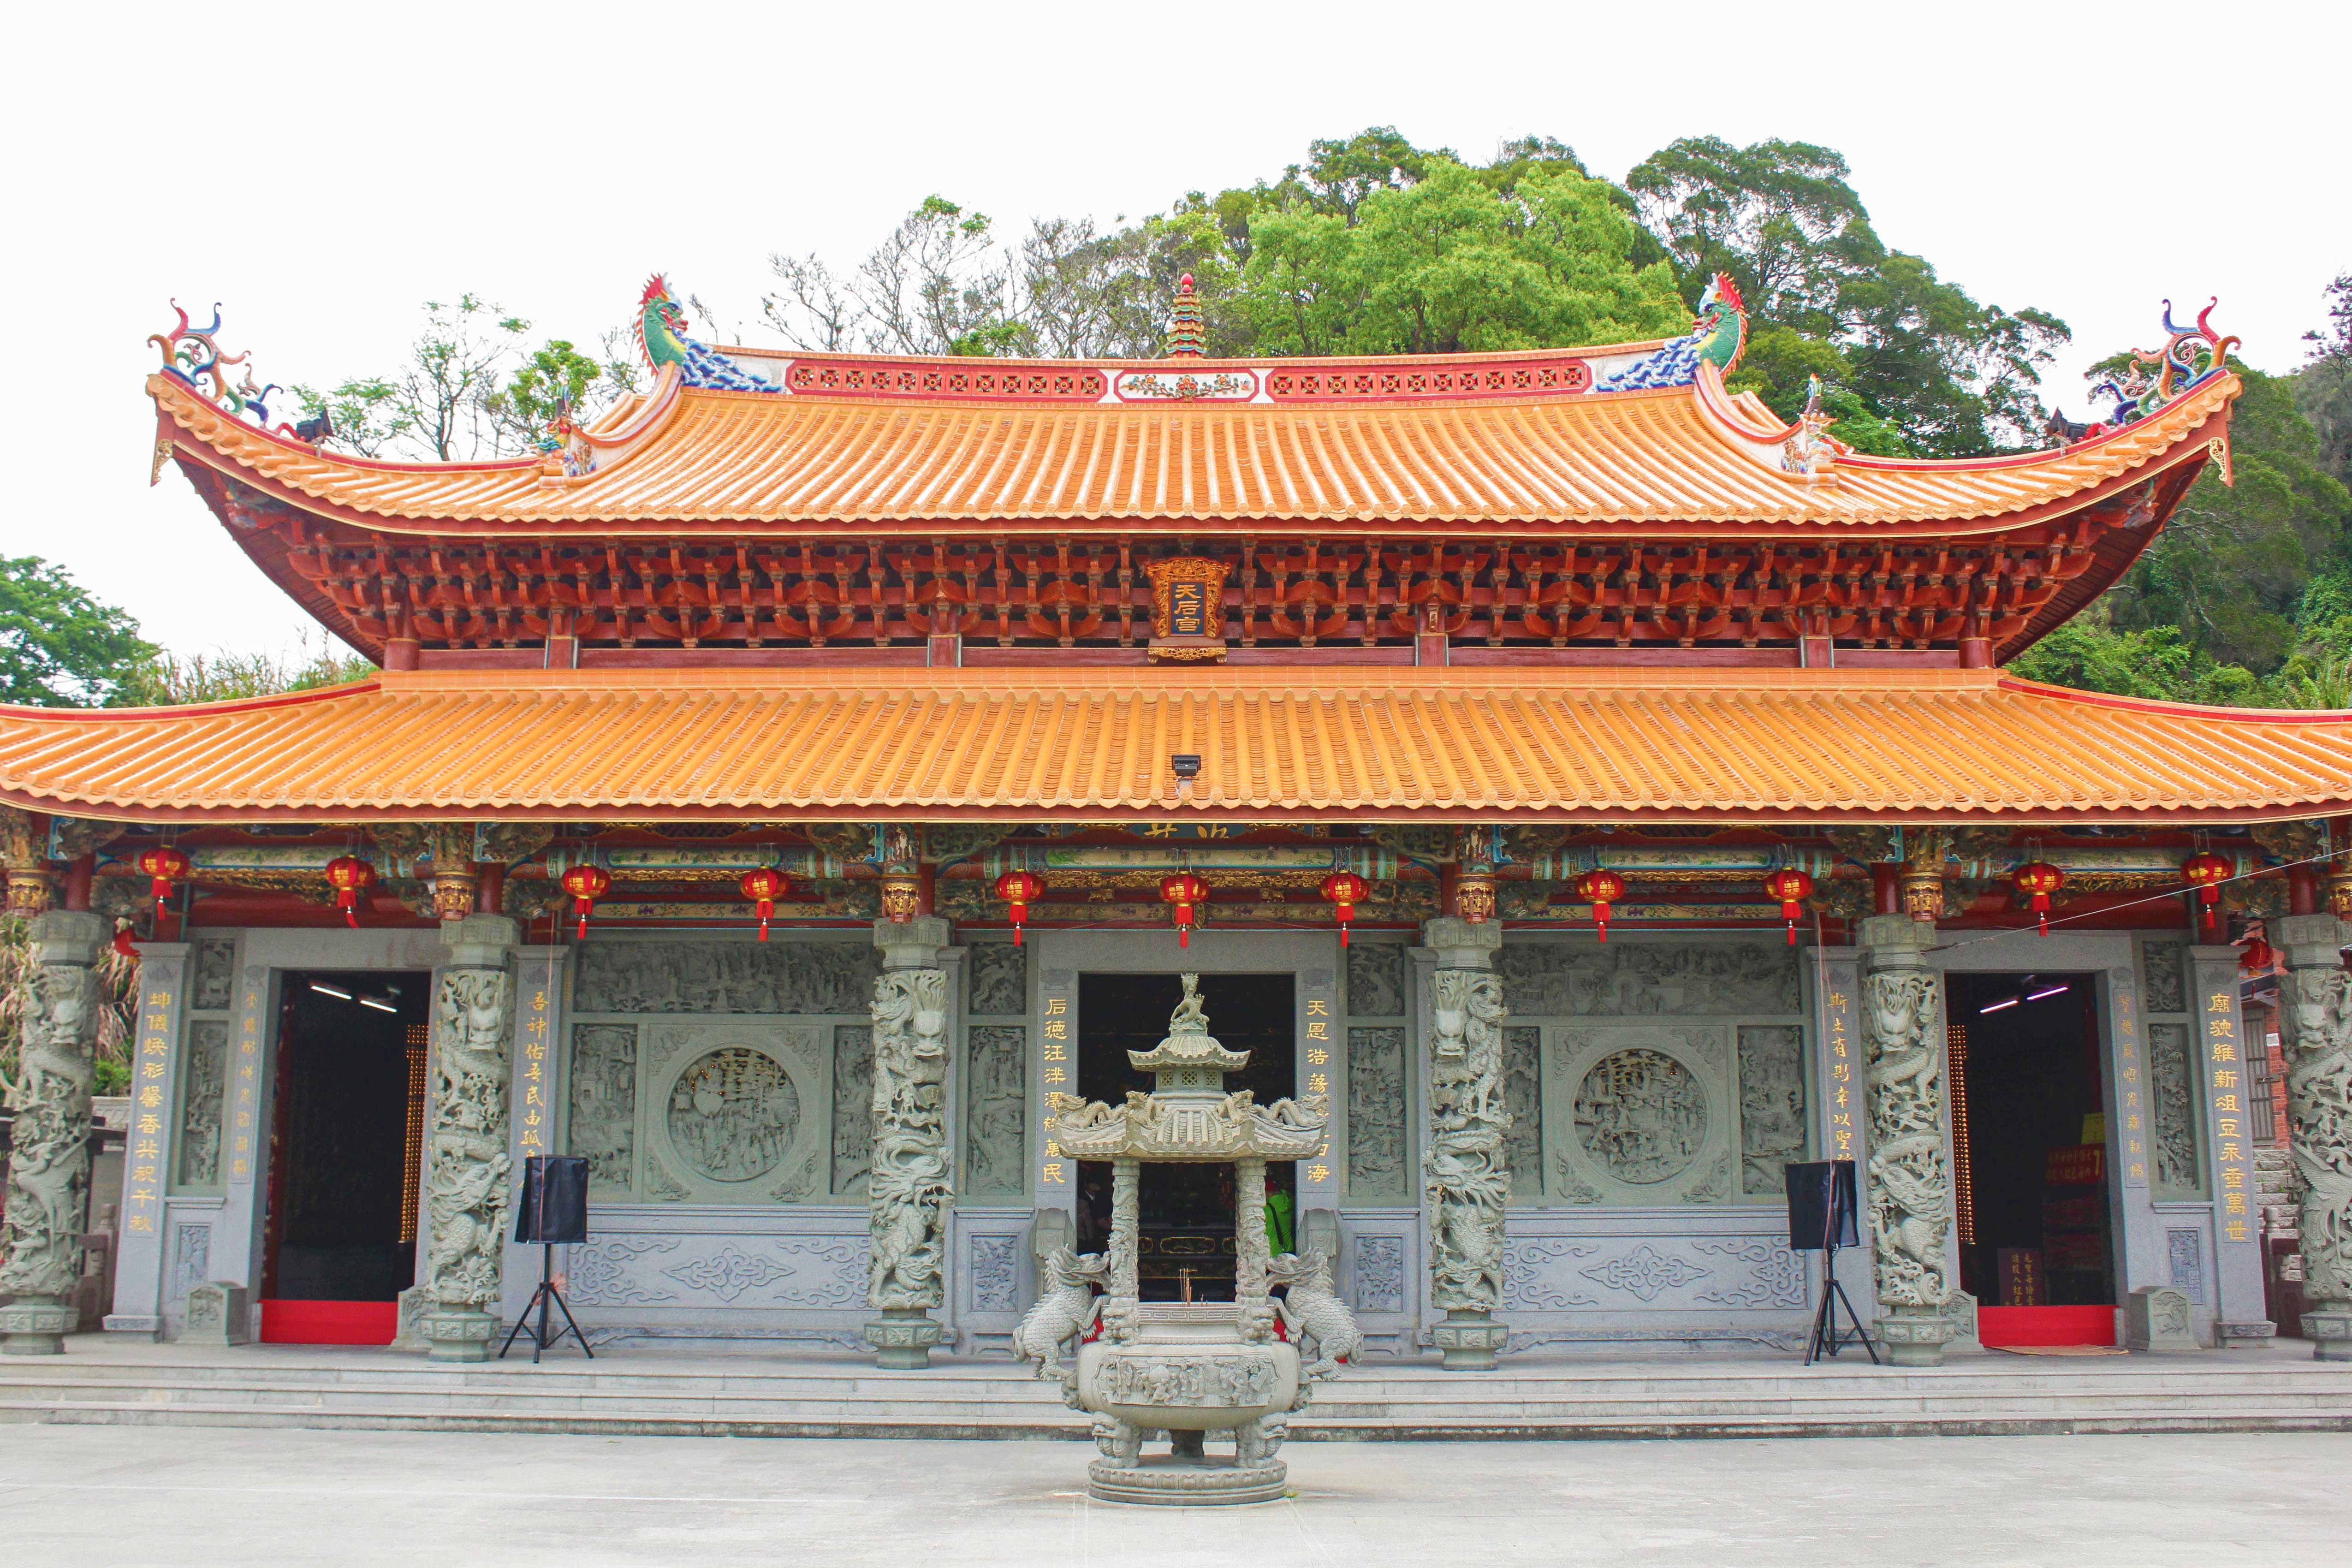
[1187,1211]
[346,1151]
[2030,1142]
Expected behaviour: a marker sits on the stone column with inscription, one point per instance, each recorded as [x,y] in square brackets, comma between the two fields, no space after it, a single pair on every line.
[910,1182]
[1466,1178]
[469,1176]
[1908,1188]
[48,1154]
[137,1310]
[2316,1029]
[2241,1318]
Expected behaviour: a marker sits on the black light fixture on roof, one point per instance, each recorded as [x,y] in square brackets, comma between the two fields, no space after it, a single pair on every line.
[1186,767]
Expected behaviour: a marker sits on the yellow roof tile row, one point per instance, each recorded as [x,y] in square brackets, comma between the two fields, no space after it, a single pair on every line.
[1399,744]
[752,458]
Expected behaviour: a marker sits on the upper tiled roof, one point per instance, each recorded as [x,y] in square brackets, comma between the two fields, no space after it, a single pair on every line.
[869,445]
[1085,745]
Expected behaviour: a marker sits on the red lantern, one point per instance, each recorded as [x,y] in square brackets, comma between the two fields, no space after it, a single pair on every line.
[165,865]
[763,887]
[586,884]
[1345,890]
[1019,889]
[1601,888]
[1184,890]
[2038,879]
[2206,871]
[349,877]
[1792,888]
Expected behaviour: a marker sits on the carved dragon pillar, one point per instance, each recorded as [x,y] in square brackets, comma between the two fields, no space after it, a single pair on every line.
[2316,1029]
[1909,1190]
[48,1158]
[911,1181]
[467,1181]
[1466,1177]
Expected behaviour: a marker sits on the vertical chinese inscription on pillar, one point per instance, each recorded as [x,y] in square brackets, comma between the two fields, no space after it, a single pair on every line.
[1318,1178]
[1910,1181]
[245,1086]
[143,1176]
[2225,1075]
[1057,1070]
[2131,1069]
[1838,1039]
[536,1121]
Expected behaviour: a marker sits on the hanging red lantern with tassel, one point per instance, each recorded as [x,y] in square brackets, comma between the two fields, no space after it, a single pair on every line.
[1187,893]
[1791,887]
[763,887]
[1601,888]
[1345,890]
[2037,879]
[2206,871]
[164,866]
[586,884]
[1019,889]
[349,877]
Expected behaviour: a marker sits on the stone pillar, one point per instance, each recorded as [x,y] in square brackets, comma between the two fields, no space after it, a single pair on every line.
[2316,1029]
[468,1176]
[1909,1186]
[1466,1186]
[2220,1053]
[911,1181]
[48,1161]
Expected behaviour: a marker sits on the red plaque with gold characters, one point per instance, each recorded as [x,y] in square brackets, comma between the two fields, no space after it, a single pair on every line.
[1188,608]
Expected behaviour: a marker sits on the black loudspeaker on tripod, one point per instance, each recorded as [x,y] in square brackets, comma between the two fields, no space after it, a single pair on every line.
[1822,1204]
[553,1212]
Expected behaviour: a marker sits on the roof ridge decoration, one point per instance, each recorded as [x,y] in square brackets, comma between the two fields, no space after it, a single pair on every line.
[661,337]
[1187,327]
[1717,335]
[191,357]
[2189,357]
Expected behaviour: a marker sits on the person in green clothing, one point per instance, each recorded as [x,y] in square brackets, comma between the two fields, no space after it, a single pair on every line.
[1278,1232]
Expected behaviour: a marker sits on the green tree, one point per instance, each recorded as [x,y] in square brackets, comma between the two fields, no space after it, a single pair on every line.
[60,648]
[164,679]
[2324,387]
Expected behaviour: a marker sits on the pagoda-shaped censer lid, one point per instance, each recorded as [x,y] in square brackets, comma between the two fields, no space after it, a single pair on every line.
[1189,1063]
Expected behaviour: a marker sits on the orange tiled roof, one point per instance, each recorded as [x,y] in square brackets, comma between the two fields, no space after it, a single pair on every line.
[1595,744]
[1683,455]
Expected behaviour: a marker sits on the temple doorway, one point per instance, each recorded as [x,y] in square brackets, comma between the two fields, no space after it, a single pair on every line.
[345,1155]
[1186,1238]
[2029,1157]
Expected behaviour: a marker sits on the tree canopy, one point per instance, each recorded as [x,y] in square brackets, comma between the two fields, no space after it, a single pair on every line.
[59,647]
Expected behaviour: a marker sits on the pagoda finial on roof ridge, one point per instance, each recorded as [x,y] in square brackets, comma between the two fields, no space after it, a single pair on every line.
[1187,328]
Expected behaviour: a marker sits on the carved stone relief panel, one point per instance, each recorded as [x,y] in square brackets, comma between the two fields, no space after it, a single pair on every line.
[603,1108]
[1523,1098]
[1376,1169]
[1771,1106]
[706,1270]
[200,1103]
[999,979]
[853,1108]
[2172,1072]
[1379,1274]
[1642,1115]
[2184,1261]
[213,987]
[2160,976]
[1649,979]
[996,1265]
[997,1111]
[192,1258]
[1376,980]
[727,1115]
[725,977]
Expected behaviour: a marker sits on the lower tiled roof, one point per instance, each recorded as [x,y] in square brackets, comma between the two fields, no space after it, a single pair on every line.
[1408,744]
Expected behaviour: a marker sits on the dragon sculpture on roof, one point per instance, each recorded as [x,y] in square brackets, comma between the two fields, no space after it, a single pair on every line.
[661,337]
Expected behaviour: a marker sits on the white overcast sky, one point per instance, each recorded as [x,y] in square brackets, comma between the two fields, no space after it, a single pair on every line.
[322,169]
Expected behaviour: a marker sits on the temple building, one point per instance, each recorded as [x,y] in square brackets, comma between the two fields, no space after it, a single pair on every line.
[1596,791]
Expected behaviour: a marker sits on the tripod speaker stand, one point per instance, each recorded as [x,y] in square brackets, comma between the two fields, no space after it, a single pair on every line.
[554,1210]
[1822,1204]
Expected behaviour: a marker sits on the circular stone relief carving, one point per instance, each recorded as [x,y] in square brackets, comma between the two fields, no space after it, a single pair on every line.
[1641,1116]
[732,1114]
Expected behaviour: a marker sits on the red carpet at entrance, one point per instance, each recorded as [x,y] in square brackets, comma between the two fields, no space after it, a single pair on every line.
[2046,1325]
[328,1322]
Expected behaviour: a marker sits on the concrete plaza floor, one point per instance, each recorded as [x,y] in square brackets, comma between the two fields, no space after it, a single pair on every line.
[257,1499]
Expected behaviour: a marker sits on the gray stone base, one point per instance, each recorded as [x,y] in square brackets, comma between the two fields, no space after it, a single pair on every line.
[1167,1479]
[37,1325]
[408,1319]
[1469,1340]
[2156,1318]
[1915,1342]
[217,1313]
[902,1339]
[130,1326]
[458,1336]
[2329,1331]
[2244,1336]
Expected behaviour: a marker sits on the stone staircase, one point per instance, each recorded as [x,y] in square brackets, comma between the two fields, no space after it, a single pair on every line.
[1535,1396]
